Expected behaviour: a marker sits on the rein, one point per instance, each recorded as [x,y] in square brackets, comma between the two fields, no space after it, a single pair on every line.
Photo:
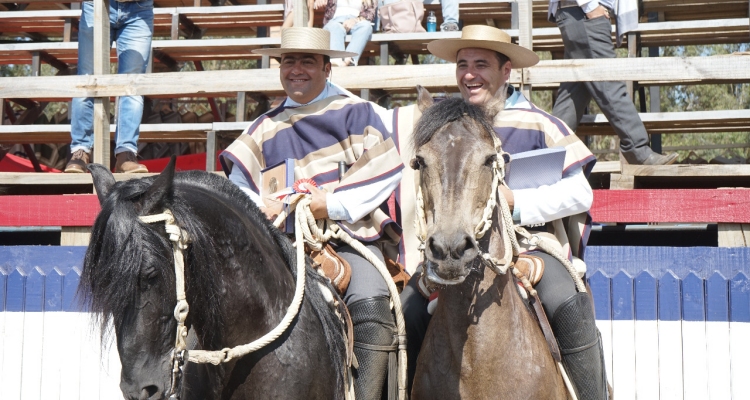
[315,233]
[180,239]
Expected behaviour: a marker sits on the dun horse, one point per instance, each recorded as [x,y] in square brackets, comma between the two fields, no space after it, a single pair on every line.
[482,342]
[238,281]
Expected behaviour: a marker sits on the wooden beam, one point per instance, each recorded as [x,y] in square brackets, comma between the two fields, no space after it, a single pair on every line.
[688,70]
[675,205]
[102,47]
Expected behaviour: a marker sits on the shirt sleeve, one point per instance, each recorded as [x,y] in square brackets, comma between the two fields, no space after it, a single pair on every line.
[352,205]
[590,6]
[239,179]
[571,195]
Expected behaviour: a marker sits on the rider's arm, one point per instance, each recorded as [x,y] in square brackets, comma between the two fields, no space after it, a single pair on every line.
[571,195]
[353,204]
[239,179]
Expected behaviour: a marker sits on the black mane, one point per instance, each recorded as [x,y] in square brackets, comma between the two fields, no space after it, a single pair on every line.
[121,245]
[444,112]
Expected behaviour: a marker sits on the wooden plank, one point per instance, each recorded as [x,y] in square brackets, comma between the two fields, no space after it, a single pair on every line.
[101,67]
[707,170]
[601,291]
[53,342]
[730,68]
[670,337]
[623,336]
[694,354]
[717,334]
[731,235]
[67,210]
[75,236]
[33,335]
[646,336]
[13,338]
[739,331]
[672,205]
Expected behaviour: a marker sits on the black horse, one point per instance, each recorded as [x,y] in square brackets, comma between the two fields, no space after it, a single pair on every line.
[239,281]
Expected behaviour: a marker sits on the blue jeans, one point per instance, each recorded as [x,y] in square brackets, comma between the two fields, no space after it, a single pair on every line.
[450,12]
[361,34]
[131,27]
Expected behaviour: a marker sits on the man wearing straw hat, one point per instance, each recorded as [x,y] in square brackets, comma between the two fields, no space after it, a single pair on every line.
[484,58]
[319,126]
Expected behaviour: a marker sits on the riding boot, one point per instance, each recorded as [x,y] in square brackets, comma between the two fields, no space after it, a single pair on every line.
[374,338]
[580,345]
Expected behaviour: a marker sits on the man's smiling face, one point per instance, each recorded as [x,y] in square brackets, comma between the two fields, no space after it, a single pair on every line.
[479,74]
[303,76]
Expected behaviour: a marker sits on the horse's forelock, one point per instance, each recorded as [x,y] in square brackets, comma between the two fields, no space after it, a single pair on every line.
[444,112]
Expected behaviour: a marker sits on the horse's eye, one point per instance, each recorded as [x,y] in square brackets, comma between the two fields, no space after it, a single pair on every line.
[417,163]
[491,159]
[149,277]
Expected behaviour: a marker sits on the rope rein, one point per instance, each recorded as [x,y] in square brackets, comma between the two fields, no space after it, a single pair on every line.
[315,234]
[179,240]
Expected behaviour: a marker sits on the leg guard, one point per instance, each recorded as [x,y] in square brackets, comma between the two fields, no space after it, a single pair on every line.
[574,326]
[374,338]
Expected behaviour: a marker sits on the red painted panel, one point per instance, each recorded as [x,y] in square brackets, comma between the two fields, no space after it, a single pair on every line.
[59,210]
[673,205]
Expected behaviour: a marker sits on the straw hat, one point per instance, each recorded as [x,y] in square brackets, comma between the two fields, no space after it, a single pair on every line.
[305,40]
[483,37]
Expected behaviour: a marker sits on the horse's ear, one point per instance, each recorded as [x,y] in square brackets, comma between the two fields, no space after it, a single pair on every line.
[103,180]
[424,98]
[161,189]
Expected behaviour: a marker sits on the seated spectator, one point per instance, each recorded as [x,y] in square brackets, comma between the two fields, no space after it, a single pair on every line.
[289,13]
[348,16]
[450,15]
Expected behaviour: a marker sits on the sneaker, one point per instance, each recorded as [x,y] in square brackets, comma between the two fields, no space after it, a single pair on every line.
[78,162]
[449,27]
[127,163]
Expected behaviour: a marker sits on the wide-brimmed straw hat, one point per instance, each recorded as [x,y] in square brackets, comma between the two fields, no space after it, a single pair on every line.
[305,40]
[483,37]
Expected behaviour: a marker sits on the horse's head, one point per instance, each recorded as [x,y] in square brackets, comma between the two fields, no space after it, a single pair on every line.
[455,152]
[129,280]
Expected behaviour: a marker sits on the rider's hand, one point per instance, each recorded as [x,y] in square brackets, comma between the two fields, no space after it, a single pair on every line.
[600,11]
[273,210]
[318,207]
[508,194]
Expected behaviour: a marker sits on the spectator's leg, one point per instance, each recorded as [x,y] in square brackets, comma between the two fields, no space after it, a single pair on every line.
[591,38]
[82,110]
[134,34]
[361,34]
[338,34]
[450,15]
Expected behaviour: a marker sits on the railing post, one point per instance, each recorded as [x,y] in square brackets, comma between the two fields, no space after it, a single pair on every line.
[101,66]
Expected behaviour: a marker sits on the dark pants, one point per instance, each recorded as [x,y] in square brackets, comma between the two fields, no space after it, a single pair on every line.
[366,280]
[554,288]
[586,39]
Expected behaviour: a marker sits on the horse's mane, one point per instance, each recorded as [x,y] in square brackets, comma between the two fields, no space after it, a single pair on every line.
[113,262]
[444,112]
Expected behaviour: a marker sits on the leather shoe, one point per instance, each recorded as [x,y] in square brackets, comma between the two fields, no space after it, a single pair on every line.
[127,163]
[658,159]
[78,162]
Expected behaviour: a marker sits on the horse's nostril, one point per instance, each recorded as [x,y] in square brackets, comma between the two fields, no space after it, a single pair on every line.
[148,392]
[437,251]
[464,246]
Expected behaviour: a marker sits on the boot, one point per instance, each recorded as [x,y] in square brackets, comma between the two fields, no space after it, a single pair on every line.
[127,162]
[580,345]
[78,161]
[374,338]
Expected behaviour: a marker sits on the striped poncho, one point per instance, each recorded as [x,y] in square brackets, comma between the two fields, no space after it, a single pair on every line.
[317,136]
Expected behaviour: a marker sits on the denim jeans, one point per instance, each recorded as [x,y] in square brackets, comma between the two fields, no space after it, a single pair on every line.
[450,12]
[131,27]
[361,34]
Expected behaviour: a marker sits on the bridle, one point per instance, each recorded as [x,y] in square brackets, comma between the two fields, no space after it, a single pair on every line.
[180,353]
